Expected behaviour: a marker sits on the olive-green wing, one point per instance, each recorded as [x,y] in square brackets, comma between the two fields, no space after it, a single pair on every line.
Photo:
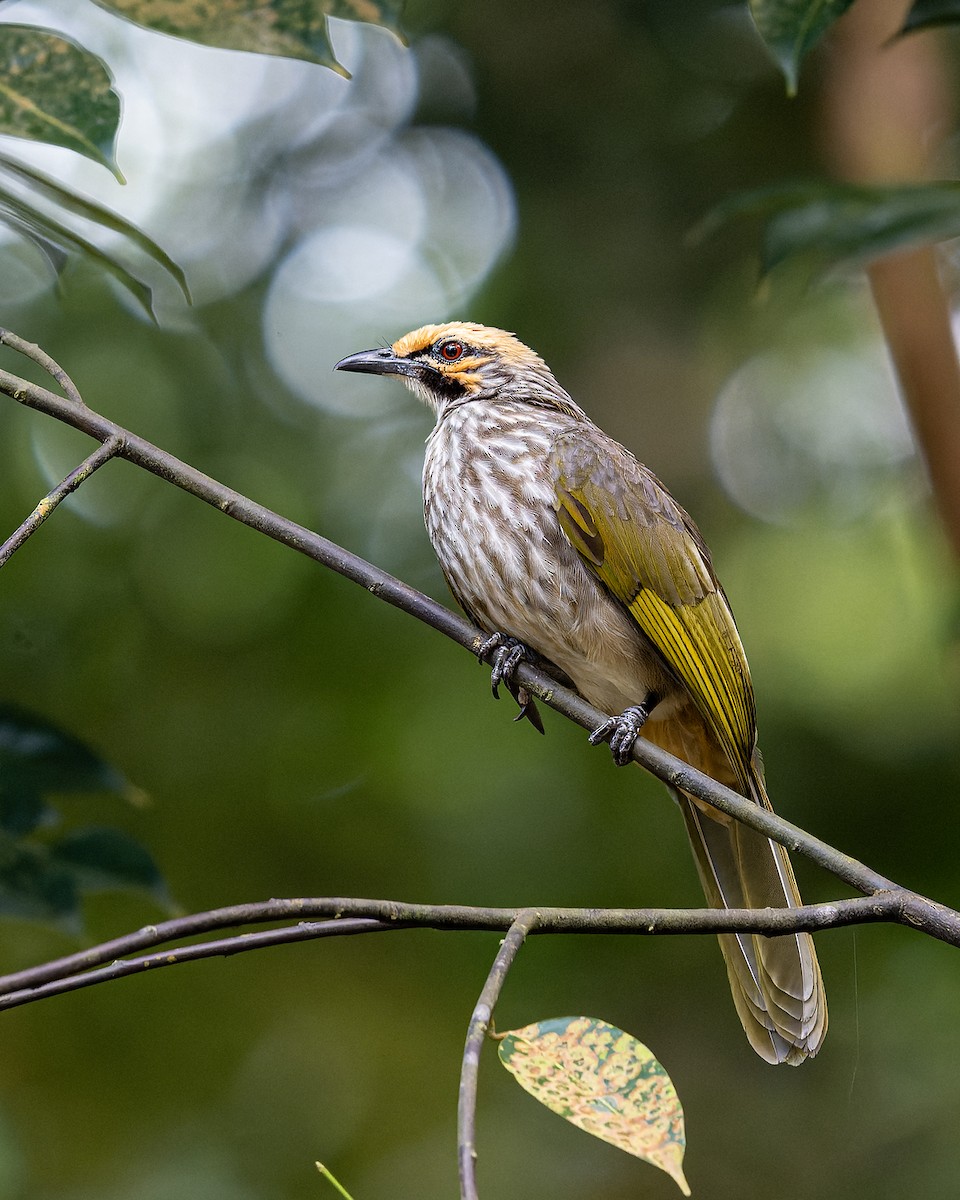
[642,546]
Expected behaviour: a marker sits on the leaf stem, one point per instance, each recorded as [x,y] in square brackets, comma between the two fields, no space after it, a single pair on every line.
[328,1175]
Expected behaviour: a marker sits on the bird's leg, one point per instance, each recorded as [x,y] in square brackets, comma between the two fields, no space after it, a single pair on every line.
[507,653]
[622,731]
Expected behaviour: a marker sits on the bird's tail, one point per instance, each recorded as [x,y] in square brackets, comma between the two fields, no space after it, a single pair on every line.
[776,983]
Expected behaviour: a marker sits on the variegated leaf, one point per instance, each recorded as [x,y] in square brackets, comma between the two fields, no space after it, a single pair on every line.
[605,1082]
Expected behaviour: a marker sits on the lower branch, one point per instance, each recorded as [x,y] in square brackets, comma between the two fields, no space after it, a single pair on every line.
[339,916]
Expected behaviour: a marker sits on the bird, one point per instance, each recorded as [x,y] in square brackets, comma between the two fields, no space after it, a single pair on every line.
[565,549]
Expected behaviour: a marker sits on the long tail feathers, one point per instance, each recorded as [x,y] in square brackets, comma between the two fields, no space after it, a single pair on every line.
[776,982]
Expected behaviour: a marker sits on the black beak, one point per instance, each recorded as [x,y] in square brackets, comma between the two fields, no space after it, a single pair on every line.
[379,362]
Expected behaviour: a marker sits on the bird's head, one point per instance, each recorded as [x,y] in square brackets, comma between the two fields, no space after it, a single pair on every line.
[449,365]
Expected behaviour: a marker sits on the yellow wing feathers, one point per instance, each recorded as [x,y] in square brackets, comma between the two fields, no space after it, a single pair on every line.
[648,554]
[690,639]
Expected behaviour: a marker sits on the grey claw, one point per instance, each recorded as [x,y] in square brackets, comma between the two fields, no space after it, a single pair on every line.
[622,731]
[528,709]
[602,732]
[488,645]
[505,660]
[506,654]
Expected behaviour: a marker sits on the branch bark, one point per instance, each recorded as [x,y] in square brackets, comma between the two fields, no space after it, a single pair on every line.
[93,462]
[340,916]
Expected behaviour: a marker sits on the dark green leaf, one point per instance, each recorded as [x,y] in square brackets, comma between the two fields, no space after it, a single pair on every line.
[832,224]
[33,886]
[36,758]
[791,28]
[44,879]
[89,210]
[53,91]
[289,28]
[924,14]
[22,810]
[108,860]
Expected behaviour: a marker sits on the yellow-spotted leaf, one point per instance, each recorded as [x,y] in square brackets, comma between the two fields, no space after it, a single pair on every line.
[603,1081]
[288,28]
[53,91]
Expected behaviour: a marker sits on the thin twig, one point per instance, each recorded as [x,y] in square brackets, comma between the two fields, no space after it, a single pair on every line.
[524,923]
[658,762]
[107,450]
[221,948]
[32,351]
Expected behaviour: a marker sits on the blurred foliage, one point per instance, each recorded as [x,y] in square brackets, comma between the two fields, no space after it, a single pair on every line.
[538,167]
[56,92]
[927,14]
[44,871]
[833,224]
[791,28]
[54,239]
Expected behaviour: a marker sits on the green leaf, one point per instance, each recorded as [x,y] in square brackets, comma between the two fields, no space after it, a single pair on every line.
[41,878]
[925,14]
[53,91]
[34,225]
[37,757]
[289,28]
[55,256]
[23,810]
[830,224]
[79,206]
[24,218]
[791,28]
[108,860]
[603,1081]
[33,887]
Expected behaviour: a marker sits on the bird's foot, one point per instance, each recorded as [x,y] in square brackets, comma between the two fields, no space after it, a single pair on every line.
[505,654]
[622,731]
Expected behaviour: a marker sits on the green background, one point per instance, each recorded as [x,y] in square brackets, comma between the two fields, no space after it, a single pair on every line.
[298,738]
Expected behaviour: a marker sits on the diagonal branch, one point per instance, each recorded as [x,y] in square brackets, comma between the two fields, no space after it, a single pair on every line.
[93,462]
[386,587]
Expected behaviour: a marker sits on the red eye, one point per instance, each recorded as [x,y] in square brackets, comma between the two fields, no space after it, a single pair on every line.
[451,351]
